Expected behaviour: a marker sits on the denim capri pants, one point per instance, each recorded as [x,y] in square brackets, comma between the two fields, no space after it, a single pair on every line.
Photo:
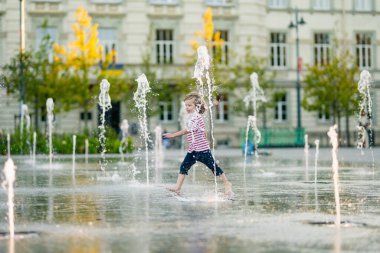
[204,157]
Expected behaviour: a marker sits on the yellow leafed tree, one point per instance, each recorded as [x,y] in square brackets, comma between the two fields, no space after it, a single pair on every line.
[207,36]
[85,50]
[78,61]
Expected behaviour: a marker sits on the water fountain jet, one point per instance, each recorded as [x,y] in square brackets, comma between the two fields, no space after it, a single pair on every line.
[124,127]
[335,166]
[50,118]
[10,177]
[141,103]
[316,171]
[202,70]
[105,104]
[158,153]
[306,151]
[255,94]
[365,132]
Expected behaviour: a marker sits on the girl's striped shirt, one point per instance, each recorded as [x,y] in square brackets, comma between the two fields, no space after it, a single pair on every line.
[197,133]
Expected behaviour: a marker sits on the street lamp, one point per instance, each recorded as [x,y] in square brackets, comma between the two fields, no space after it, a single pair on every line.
[22,84]
[22,48]
[294,24]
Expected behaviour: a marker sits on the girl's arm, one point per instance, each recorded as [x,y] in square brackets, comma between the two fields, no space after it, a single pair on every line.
[176,134]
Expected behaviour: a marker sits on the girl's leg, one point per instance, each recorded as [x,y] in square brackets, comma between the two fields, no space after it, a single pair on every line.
[227,184]
[185,166]
[178,185]
[207,159]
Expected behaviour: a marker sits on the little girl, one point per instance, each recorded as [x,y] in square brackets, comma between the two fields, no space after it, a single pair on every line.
[199,149]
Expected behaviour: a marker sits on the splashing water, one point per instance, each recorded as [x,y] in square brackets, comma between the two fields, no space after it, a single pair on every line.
[135,171]
[105,104]
[141,103]
[251,123]
[316,160]
[202,67]
[316,171]
[74,146]
[34,147]
[50,118]
[86,151]
[158,153]
[255,94]
[306,151]
[182,123]
[365,133]
[365,108]
[201,71]
[124,127]
[24,115]
[334,142]
[9,145]
[10,177]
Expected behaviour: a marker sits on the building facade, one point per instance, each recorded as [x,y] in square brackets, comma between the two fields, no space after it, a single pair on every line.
[166,27]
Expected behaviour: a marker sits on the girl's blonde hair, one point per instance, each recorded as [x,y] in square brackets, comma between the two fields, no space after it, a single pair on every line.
[198,101]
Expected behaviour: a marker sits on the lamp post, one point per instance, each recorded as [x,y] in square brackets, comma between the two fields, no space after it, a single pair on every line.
[22,48]
[294,24]
[22,84]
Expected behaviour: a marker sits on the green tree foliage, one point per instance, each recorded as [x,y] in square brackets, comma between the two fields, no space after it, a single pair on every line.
[78,62]
[331,88]
[40,77]
[240,81]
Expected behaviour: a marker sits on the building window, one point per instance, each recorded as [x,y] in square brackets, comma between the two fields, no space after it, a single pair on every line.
[321,4]
[108,40]
[324,115]
[106,1]
[277,4]
[322,48]
[47,1]
[220,49]
[363,5]
[278,50]
[164,46]
[166,111]
[280,111]
[222,108]
[89,116]
[164,2]
[364,50]
[50,33]
[219,2]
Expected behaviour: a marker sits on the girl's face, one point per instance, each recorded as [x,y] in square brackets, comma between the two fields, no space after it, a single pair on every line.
[190,105]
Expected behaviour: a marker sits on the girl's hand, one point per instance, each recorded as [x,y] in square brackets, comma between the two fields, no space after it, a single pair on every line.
[168,135]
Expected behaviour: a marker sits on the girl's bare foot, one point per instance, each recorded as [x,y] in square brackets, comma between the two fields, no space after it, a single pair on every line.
[228,189]
[174,189]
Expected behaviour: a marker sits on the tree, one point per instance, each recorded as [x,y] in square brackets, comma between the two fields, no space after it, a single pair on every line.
[40,77]
[207,35]
[79,61]
[240,78]
[329,89]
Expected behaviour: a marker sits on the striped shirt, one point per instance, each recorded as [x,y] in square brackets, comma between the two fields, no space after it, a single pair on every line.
[197,133]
